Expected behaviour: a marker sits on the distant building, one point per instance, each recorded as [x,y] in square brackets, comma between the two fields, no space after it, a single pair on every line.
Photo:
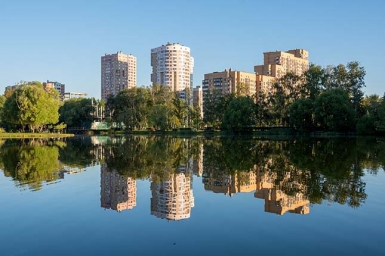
[72,95]
[118,72]
[12,87]
[172,66]
[230,81]
[277,64]
[116,191]
[55,85]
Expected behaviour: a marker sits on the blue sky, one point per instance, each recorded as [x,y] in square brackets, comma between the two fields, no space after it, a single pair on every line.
[64,40]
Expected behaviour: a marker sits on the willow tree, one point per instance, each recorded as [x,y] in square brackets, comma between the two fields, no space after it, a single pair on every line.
[33,107]
[30,164]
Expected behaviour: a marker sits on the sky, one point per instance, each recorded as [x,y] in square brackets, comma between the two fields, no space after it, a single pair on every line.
[64,40]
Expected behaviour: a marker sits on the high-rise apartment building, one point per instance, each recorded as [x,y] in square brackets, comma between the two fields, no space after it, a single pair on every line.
[172,65]
[118,72]
[277,64]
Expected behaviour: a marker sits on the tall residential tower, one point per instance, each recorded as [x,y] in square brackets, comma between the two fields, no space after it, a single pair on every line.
[118,72]
[172,65]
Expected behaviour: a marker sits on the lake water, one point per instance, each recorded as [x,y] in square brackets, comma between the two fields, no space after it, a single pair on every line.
[192,196]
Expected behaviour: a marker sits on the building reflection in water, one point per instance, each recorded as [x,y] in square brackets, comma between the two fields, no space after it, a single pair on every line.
[278,202]
[173,198]
[239,182]
[116,191]
[197,164]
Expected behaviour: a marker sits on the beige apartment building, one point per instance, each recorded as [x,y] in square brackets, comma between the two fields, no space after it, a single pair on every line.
[173,198]
[172,65]
[118,72]
[277,64]
[230,81]
[116,191]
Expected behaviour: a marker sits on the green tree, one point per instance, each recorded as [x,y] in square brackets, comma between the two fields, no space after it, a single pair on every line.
[351,79]
[210,107]
[2,102]
[124,108]
[333,111]
[180,111]
[356,76]
[158,116]
[195,116]
[161,102]
[239,114]
[380,127]
[77,112]
[262,111]
[367,123]
[33,107]
[313,81]
[302,114]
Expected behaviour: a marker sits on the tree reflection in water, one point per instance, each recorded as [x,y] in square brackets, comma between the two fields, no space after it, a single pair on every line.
[288,174]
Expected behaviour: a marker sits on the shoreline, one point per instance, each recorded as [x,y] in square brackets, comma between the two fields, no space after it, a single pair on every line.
[10,135]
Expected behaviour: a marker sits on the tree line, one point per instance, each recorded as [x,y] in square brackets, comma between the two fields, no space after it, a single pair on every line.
[321,99]
[314,164]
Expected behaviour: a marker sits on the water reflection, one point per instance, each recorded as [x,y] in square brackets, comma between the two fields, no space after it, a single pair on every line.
[30,163]
[172,199]
[277,201]
[116,191]
[229,184]
[288,175]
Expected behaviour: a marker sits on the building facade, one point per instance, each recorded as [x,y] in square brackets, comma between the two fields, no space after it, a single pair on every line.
[229,81]
[74,95]
[118,72]
[55,85]
[172,66]
[277,64]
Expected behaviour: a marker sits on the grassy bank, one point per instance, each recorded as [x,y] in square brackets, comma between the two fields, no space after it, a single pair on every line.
[20,135]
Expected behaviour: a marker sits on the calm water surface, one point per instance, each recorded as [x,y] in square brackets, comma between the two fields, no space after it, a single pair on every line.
[192,196]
